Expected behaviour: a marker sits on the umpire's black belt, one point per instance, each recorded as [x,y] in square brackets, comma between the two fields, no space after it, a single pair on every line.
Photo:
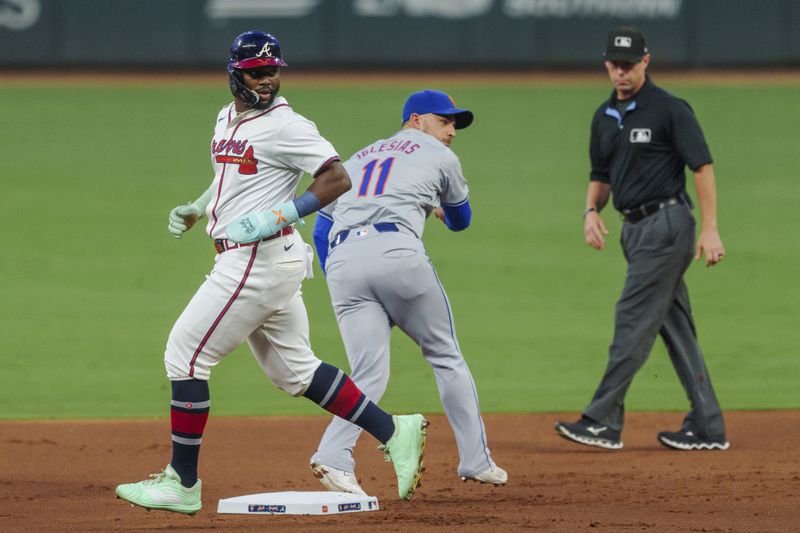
[380,227]
[645,210]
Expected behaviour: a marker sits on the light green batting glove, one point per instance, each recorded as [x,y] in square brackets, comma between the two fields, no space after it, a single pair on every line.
[255,226]
[183,217]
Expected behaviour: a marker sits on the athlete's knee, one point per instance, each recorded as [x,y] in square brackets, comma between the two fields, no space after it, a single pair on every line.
[178,358]
[178,370]
[175,370]
[372,375]
[293,386]
[296,381]
[181,364]
[450,359]
[438,344]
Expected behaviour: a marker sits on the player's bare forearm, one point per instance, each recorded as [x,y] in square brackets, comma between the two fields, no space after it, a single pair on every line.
[709,241]
[706,186]
[331,183]
[597,195]
[594,229]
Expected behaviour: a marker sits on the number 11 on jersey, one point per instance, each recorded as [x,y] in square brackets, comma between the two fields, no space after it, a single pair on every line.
[369,169]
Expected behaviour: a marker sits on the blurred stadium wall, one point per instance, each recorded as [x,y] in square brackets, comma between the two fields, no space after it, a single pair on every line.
[413,34]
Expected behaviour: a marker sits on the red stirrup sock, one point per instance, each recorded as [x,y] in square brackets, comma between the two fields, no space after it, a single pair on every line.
[188,414]
[334,391]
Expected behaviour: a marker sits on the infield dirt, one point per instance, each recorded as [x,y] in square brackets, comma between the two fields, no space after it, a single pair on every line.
[60,475]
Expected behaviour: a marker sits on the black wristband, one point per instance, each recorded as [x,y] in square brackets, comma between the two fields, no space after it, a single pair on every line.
[589,210]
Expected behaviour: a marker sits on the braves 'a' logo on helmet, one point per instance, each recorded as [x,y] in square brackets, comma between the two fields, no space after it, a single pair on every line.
[265,51]
[254,49]
[243,55]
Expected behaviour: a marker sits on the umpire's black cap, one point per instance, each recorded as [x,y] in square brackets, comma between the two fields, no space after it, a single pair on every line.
[625,43]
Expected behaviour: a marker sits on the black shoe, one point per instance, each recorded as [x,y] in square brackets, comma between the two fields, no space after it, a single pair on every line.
[686,440]
[586,431]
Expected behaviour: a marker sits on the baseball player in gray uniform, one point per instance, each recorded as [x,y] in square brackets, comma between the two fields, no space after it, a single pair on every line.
[379,275]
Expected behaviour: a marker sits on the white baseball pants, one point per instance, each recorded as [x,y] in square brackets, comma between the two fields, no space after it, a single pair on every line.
[252,293]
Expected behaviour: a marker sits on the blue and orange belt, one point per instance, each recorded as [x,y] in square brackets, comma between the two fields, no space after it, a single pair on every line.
[380,227]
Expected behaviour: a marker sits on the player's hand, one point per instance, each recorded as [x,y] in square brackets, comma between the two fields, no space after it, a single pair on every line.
[251,227]
[182,218]
[438,212]
[594,229]
[710,243]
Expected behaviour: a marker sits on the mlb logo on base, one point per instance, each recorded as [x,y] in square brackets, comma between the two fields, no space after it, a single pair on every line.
[298,503]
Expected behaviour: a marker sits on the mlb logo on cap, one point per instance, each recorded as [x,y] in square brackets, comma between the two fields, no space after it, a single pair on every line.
[622,41]
[625,43]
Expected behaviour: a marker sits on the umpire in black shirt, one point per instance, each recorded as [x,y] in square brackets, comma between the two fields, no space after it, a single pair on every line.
[642,138]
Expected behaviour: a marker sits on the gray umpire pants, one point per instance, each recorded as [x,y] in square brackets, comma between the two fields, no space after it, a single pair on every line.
[654,301]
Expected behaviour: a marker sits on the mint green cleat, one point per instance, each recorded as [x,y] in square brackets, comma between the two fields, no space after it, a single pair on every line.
[404,450]
[164,492]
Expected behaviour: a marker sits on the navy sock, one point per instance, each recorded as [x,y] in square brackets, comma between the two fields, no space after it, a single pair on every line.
[188,415]
[334,391]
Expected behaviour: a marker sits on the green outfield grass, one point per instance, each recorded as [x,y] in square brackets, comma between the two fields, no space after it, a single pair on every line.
[91,281]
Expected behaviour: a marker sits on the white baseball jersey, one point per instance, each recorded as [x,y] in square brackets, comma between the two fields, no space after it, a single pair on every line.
[259,157]
[400,179]
[253,292]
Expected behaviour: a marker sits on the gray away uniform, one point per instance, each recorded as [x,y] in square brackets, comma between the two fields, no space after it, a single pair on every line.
[379,275]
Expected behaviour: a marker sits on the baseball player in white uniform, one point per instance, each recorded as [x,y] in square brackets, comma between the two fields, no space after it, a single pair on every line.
[379,275]
[259,151]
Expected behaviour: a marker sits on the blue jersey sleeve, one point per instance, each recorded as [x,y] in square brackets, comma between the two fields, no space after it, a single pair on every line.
[457,217]
[322,227]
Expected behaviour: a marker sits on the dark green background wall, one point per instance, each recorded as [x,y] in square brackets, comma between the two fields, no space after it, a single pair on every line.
[395,33]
